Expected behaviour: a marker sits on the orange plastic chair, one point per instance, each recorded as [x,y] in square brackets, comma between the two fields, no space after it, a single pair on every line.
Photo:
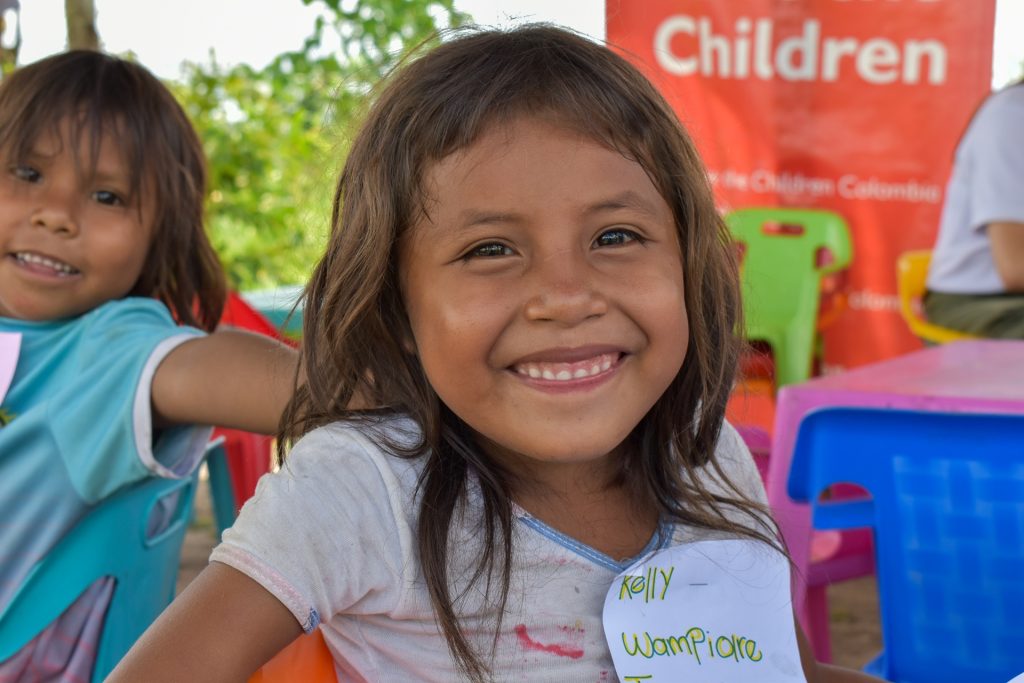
[305,660]
[912,272]
[751,410]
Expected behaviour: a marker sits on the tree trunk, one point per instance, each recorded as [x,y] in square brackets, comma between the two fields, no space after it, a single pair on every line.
[81,18]
[8,53]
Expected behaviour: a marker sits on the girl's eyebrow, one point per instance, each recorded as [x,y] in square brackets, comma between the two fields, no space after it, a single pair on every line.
[105,176]
[473,217]
[109,173]
[625,200]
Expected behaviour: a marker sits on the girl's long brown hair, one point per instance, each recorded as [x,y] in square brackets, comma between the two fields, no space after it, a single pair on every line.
[99,96]
[355,321]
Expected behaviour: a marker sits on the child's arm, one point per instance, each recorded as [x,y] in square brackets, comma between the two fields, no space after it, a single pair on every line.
[230,378]
[223,627]
[816,672]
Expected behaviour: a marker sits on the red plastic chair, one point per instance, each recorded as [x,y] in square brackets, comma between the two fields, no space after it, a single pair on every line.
[247,456]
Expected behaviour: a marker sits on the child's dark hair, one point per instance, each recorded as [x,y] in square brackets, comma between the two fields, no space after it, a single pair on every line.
[97,95]
[356,330]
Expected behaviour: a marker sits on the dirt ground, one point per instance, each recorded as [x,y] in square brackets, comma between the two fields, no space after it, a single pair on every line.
[853,604]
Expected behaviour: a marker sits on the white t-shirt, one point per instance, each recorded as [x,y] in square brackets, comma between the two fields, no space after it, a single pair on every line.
[332,535]
[987,185]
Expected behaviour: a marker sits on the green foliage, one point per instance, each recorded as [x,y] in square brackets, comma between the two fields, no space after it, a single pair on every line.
[276,136]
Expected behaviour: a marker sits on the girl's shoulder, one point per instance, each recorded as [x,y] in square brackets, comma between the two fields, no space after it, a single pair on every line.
[368,448]
[133,327]
[127,330]
[372,436]
[735,462]
[732,450]
[137,309]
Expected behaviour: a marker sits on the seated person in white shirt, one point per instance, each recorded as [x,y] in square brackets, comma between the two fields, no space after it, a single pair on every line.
[976,279]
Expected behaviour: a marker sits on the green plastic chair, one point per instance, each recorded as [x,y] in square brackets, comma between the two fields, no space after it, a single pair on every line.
[111,540]
[781,279]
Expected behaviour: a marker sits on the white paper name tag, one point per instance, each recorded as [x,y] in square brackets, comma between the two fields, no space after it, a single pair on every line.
[704,612]
[10,347]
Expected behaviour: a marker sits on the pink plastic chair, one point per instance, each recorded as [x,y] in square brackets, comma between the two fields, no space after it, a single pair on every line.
[833,556]
[821,557]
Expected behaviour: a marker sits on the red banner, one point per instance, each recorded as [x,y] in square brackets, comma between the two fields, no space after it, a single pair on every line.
[849,105]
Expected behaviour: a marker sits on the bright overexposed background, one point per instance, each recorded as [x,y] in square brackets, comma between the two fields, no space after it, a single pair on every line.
[162,33]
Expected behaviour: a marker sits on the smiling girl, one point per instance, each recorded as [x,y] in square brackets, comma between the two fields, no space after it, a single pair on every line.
[528,281]
[102,255]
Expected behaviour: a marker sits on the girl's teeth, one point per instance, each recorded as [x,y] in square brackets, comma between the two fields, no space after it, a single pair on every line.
[561,372]
[38,260]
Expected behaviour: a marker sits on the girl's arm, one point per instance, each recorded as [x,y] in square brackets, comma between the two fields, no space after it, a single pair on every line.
[816,672]
[1008,253]
[230,378]
[223,627]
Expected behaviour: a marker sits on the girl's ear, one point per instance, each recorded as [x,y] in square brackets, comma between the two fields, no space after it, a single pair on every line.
[406,338]
[409,344]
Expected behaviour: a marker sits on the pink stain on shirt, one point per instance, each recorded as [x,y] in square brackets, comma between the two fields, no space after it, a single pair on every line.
[528,643]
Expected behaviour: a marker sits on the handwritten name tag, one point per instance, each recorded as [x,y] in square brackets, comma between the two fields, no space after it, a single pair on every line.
[704,612]
[10,347]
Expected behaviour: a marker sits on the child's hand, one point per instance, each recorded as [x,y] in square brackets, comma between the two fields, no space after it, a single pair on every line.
[816,672]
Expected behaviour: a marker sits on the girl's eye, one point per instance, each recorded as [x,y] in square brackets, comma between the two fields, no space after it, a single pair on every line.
[109,198]
[26,173]
[616,237]
[489,250]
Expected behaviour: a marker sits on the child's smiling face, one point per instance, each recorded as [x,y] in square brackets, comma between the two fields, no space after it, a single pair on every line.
[545,294]
[69,242]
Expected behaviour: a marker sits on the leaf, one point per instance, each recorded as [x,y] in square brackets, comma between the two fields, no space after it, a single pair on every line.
[272,135]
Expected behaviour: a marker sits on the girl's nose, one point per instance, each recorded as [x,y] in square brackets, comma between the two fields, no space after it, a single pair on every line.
[57,215]
[565,290]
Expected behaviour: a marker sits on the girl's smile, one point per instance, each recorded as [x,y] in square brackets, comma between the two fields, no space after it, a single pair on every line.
[544,290]
[568,369]
[45,267]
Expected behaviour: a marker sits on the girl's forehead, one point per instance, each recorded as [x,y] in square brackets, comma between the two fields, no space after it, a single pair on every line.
[500,134]
[84,137]
[499,140]
[99,147]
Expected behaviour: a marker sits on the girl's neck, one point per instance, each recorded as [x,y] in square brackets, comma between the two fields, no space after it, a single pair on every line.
[608,519]
[584,499]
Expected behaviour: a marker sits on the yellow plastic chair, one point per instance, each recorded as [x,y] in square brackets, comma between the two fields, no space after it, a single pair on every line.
[912,271]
